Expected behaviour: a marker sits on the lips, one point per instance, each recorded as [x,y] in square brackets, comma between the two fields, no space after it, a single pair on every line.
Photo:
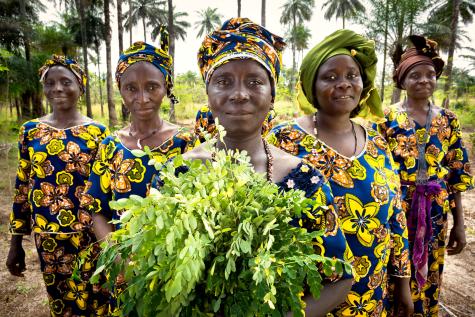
[346,97]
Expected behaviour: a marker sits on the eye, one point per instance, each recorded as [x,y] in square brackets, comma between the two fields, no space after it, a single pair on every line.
[414,76]
[130,88]
[222,82]
[330,77]
[49,83]
[67,82]
[255,82]
[352,76]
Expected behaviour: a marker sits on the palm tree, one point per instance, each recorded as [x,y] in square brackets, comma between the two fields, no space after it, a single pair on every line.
[144,10]
[180,26]
[470,57]
[239,7]
[110,93]
[300,35]
[209,20]
[342,9]
[296,12]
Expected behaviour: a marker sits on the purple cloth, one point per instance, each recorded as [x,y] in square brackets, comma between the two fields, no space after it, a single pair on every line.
[420,226]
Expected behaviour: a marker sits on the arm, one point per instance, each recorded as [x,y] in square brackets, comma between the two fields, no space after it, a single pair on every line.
[21,212]
[457,239]
[102,227]
[331,296]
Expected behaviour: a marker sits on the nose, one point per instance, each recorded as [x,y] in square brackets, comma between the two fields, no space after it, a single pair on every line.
[57,86]
[343,83]
[240,93]
[143,96]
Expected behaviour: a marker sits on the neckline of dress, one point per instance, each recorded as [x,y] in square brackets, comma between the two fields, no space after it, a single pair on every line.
[65,129]
[153,149]
[356,157]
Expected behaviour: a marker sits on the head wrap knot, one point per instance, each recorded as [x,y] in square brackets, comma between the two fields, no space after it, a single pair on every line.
[343,42]
[144,52]
[240,38]
[424,52]
[71,64]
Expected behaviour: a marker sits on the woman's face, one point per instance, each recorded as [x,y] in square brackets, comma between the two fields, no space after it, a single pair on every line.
[420,82]
[142,87]
[61,88]
[239,94]
[338,85]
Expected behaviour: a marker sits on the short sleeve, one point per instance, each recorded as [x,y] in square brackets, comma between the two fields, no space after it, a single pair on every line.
[460,178]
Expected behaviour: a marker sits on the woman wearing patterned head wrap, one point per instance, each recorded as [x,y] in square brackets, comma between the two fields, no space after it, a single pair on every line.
[56,153]
[427,146]
[144,77]
[337,78]
[240,64]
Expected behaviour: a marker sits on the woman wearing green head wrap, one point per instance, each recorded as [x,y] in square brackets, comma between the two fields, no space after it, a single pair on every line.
[337,79]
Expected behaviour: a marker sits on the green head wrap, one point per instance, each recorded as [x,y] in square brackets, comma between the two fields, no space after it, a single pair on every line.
[343,42]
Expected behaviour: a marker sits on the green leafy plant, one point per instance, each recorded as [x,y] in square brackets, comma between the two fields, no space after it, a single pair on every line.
[216,238]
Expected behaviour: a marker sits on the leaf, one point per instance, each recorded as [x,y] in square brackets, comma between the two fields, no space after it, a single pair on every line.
[138,153]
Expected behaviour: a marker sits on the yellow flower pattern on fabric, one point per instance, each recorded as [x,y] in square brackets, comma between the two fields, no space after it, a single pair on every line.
[42,224]
[359,306]
[77,292]
[54,147]
[41,167]
[361,220]
[23,172]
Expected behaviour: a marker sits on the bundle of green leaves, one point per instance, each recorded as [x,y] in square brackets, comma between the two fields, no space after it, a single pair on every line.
[214,239]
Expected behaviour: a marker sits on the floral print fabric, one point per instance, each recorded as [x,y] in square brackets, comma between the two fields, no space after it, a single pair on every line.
[54,165]
[118,173]
[447,163]
[367,193]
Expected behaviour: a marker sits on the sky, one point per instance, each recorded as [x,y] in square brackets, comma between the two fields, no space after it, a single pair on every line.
[185,51]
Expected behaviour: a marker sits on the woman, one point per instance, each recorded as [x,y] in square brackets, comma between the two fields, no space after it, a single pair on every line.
[56,153]
[143,76]
[337,78]
[427,146]
[240,64]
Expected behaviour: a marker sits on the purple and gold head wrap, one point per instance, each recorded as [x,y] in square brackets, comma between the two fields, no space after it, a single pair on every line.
[71,64]
[144,52]
[424,52]
[240,38]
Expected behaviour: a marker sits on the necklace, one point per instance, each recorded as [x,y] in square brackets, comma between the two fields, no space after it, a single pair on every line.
[270,159]
[315,131]
[139,140]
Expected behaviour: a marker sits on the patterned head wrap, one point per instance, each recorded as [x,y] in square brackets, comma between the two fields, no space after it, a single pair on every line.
[343,42]
[240,38]
[424,52]
[71,64]
[144,52]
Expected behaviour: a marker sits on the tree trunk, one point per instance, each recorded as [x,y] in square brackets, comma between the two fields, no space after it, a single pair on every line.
[17,108]
[80,9]
[25,105]
[263,12]
[144,30]
[101,100]
[453,37]
[110,93]
[239,8]
[37,104]
[171,32]
[120,26]
[385,49]
[130,25]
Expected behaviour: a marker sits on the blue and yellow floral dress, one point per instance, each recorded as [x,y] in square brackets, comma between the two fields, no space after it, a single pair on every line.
[447,165]
[118,173]
[367,193]
[54,165]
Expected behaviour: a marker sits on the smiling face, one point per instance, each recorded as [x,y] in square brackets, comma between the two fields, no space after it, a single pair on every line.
[239,95]
[142,87]
[338,85]
[61,88]
[420,82]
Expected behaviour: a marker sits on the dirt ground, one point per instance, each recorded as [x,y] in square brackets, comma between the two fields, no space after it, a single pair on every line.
[26,296]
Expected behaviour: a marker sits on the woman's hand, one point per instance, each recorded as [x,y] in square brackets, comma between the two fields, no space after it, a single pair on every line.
[457,240]
[16,257]
[402,296]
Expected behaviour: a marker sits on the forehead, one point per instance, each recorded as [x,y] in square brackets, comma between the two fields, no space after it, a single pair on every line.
[142,71]
[59,71]
[421,69]
[338,62]
[241,67]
